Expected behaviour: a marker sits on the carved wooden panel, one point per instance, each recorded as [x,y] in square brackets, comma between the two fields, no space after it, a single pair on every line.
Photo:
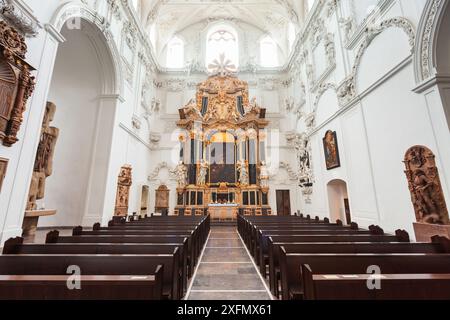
[16,83]
[123,191]
[3,168]
[425,186]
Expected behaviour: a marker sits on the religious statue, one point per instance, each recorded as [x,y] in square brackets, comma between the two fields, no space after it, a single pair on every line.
[181,174]
[425,186]
[123,190]
[304,161]
[43,165]
[201,179]
[264,176]
[243,173]
[252,106]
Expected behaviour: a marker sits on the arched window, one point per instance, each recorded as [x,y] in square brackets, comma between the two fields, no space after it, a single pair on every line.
[268,52]
[175,53]
[222,40]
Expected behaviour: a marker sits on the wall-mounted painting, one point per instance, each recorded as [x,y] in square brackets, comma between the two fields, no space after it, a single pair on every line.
[330,146]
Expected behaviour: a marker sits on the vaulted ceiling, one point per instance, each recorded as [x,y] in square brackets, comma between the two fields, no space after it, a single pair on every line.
[172,16]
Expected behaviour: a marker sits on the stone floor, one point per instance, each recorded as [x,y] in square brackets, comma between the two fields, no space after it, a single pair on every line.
[226,271]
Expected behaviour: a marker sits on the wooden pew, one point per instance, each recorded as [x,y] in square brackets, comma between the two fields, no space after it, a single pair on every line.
[195,229]
[393,286]
[344,247]
[16,246]
[291,265]
[200,230]
[250,229]
[54,287]
[202,223]
[119,265]
[54,237]
[193,242]
[261,246]
[254,233]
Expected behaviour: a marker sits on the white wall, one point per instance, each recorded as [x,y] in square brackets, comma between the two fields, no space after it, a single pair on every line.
[382,119]
[74,89]
[375,126]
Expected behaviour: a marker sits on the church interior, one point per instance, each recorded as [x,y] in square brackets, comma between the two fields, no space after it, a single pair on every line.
[224,150]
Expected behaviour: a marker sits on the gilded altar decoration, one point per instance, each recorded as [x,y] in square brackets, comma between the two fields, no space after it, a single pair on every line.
[425,186]
[123,191]
[43,165]
[331,150]
[16,83]
[222,150]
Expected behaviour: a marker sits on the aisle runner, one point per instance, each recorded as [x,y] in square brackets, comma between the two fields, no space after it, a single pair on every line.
[225,271]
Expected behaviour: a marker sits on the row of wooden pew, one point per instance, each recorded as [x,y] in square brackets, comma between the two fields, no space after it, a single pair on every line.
[148,259]
[314,259]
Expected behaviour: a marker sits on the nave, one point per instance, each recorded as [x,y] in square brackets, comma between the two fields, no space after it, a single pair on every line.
[266,258]
[226,271]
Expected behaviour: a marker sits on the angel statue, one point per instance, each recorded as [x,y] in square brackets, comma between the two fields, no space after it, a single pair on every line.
[181,173]
[251,106]
[243,173]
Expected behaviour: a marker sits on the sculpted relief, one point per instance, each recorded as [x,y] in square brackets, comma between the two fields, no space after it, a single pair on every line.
[16,83]
[123,191]
[425,186]
[43,165]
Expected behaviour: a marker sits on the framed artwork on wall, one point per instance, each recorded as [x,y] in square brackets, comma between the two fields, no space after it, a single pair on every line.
[331,149]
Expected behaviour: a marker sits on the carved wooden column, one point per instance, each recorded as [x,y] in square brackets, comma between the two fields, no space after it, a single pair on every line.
[123,191]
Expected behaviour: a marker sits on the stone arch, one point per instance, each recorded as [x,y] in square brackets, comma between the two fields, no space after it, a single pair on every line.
[370,34]
[338,200]
[109,55]
[323,89]
[432,38]
[97,102]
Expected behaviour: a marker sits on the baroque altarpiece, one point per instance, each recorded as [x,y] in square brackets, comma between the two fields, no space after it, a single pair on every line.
[222,150]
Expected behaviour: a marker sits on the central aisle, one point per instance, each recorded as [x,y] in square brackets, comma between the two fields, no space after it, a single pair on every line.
[226,271]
